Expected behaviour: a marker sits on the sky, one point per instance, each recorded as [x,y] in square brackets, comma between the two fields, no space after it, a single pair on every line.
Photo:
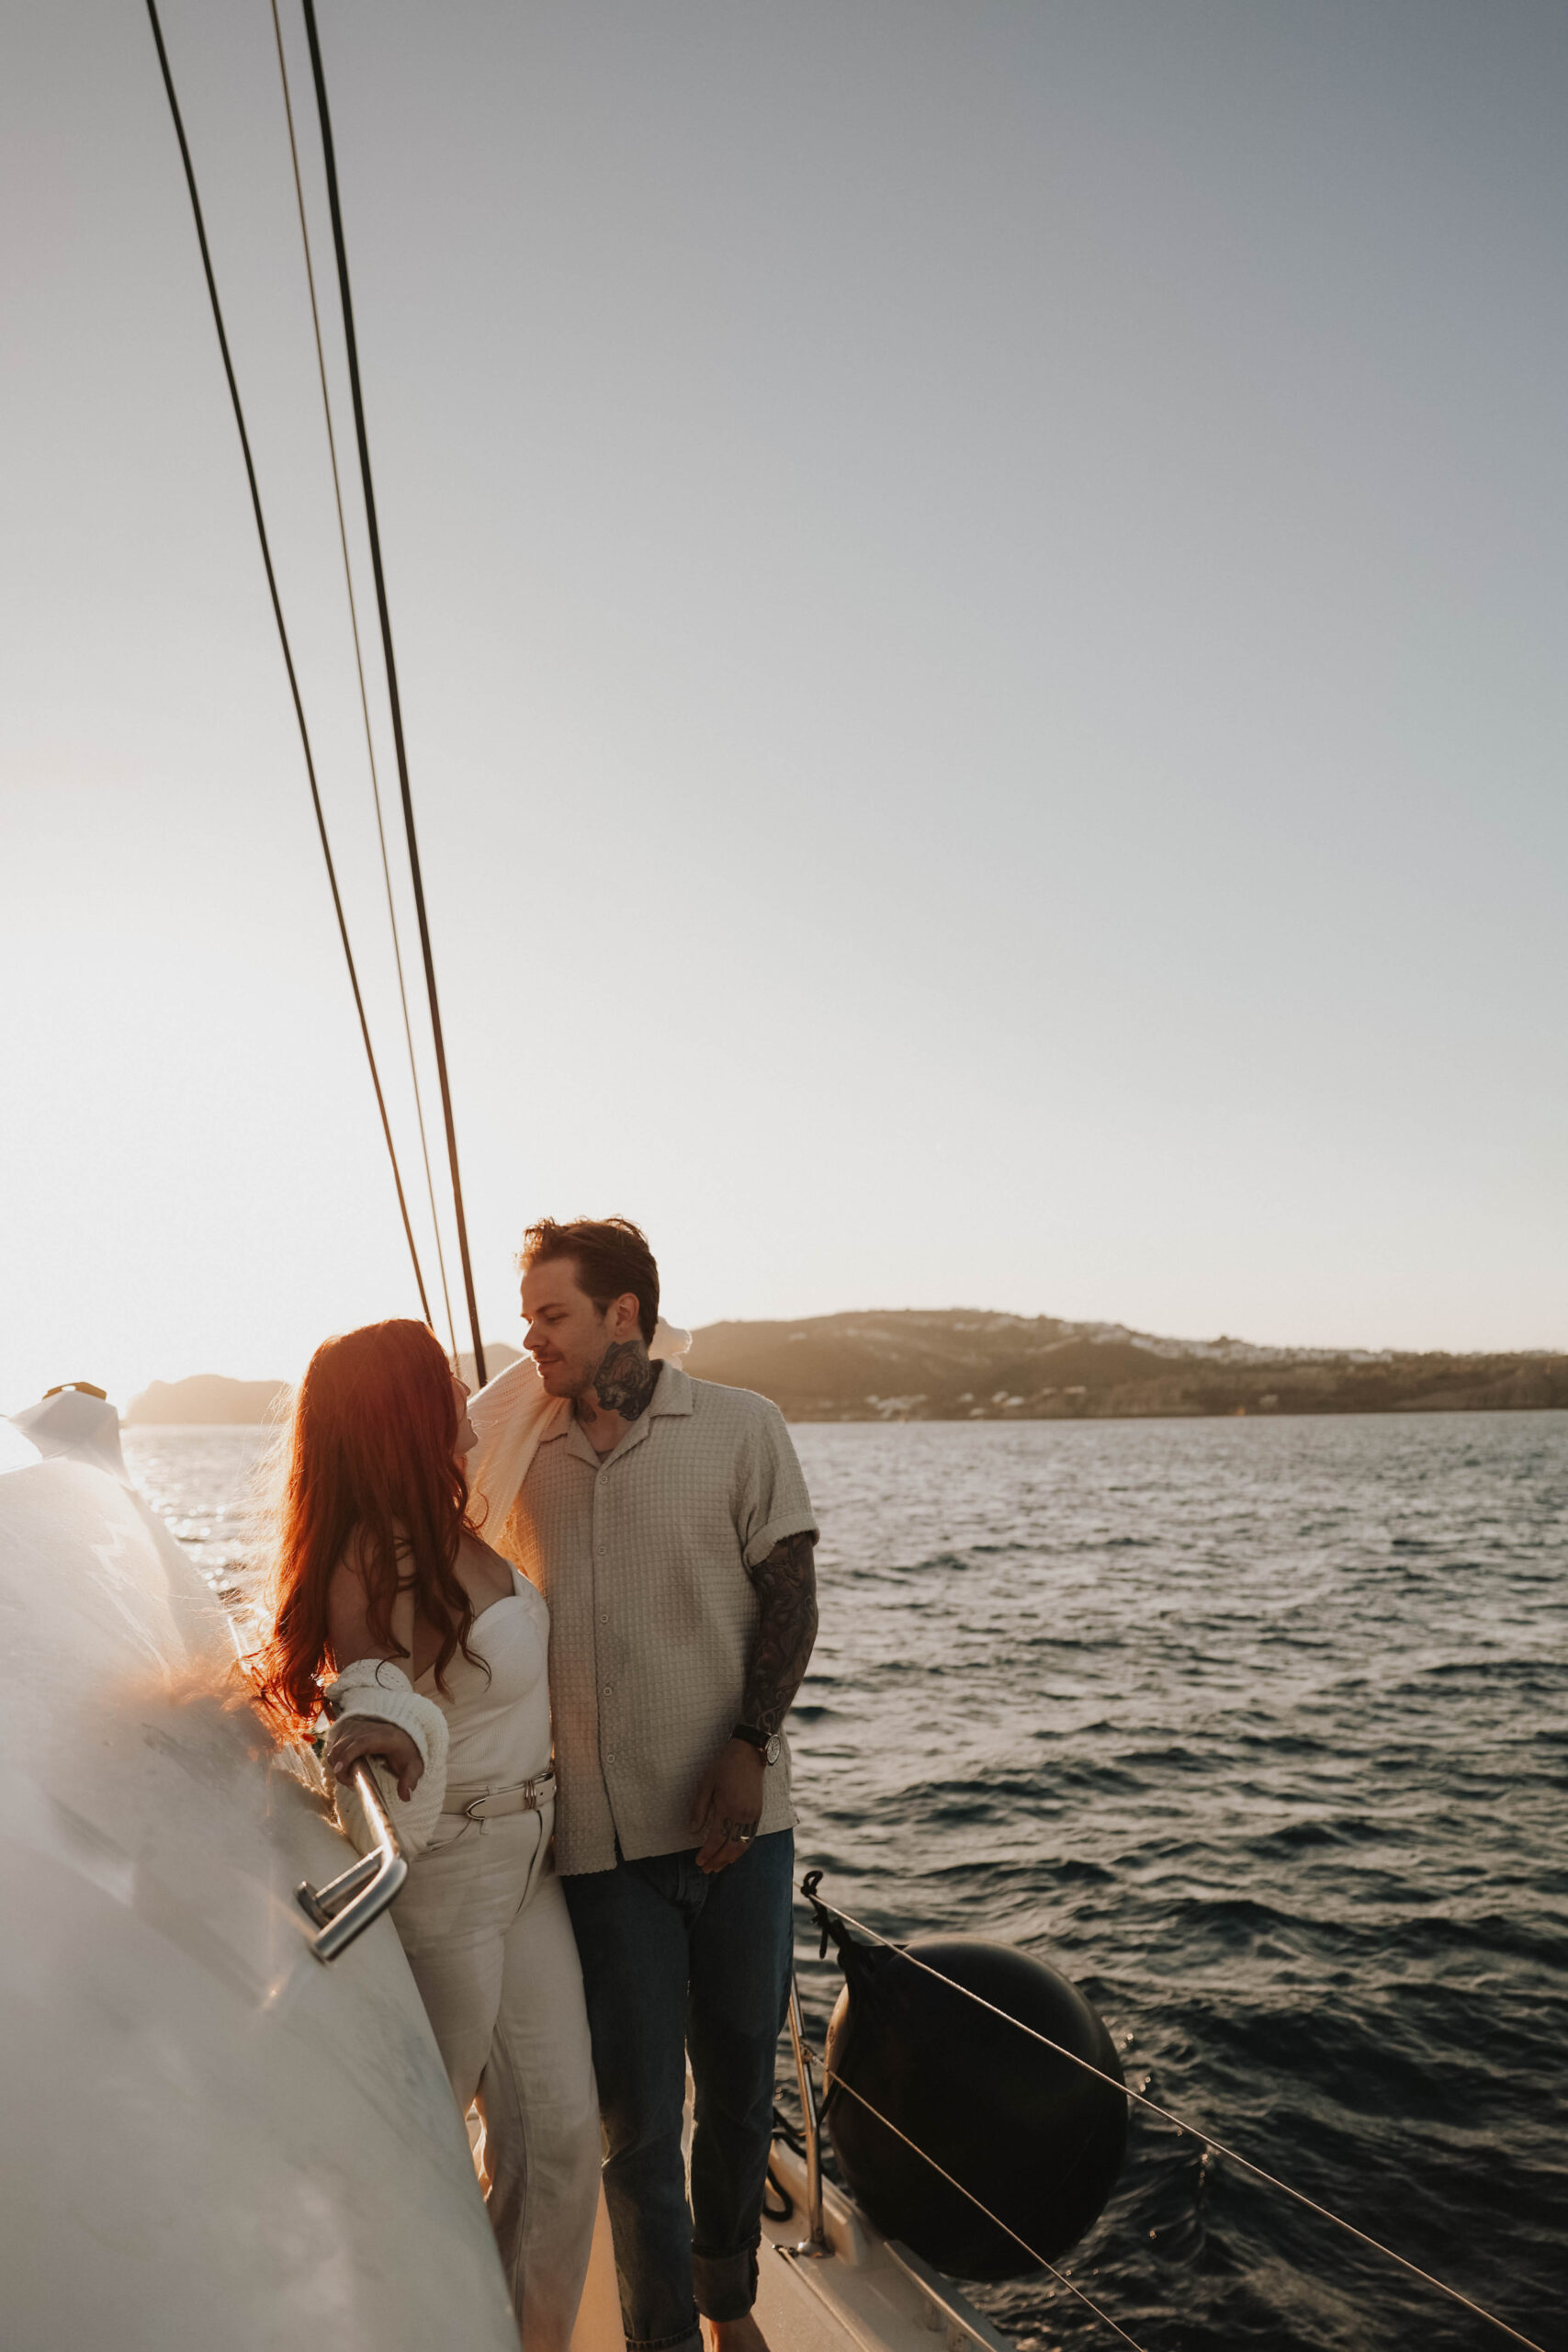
[979,594]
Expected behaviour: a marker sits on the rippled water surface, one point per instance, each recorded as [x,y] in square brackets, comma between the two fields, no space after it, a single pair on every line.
[1257,1730]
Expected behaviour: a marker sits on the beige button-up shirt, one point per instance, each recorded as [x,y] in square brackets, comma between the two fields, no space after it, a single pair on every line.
[643,1558]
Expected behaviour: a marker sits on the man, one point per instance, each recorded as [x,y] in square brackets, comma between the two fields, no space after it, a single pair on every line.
[667,1523]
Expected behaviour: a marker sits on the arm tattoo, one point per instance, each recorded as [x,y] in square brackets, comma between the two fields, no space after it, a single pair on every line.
[625,1380]
[787,1584]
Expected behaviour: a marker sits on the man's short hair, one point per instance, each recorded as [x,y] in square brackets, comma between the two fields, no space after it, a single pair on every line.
[611,1255]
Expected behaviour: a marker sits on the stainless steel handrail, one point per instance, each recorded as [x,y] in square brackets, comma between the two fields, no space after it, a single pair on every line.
[345,1906]
[816,2243]
[324,1903]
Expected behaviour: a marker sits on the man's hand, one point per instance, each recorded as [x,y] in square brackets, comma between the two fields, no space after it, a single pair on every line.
[357,1736]
[729,1806]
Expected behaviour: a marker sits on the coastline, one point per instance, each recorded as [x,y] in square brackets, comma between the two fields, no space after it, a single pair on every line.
[961,1364]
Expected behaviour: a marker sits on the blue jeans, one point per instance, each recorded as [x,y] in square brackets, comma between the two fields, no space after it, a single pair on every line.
[675,1962]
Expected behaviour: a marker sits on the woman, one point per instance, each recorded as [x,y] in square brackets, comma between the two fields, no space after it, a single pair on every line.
[376,1559]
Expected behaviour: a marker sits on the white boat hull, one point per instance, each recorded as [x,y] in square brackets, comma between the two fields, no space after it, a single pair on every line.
[211,2139]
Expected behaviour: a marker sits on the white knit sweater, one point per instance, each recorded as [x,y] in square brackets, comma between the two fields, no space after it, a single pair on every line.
[379,1688]
[512,1414]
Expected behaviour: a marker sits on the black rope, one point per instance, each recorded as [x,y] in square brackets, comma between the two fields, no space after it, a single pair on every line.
[828,1919]
[330,160]
[283,636]
[363,697]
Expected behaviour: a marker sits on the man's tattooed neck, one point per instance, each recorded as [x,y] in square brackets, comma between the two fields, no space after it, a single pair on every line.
[625,1380]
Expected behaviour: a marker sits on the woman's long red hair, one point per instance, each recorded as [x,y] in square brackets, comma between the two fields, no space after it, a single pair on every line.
[369,1462]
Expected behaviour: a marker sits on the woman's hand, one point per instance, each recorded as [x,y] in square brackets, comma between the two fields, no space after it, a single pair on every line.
[355,1737]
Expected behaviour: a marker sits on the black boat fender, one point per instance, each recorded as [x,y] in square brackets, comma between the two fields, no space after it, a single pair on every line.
[1036,2138]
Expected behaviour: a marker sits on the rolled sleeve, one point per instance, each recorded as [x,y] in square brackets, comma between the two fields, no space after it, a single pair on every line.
[774,1501]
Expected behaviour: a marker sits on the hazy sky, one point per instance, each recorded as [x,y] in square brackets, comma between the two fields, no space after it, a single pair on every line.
[980,593]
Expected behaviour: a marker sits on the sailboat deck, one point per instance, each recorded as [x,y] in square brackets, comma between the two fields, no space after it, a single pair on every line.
[867,2293]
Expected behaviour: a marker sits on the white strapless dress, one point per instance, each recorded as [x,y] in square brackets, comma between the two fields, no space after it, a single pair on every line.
[499,1722]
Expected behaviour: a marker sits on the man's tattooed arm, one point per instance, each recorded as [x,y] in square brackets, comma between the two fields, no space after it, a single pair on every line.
[787,1584]
[625,1380]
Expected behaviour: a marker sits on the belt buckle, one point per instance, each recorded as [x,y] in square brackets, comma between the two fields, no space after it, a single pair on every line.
[470,1811]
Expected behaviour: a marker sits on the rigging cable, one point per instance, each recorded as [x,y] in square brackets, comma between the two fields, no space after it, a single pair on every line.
[364,698]
[283,636]
[1060,2276]
[330,160]
[1271,2180]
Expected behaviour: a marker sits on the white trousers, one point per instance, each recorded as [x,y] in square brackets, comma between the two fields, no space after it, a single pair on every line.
[484,1924]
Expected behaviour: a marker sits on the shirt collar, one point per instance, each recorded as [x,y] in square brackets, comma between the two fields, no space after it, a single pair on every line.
[673,1394]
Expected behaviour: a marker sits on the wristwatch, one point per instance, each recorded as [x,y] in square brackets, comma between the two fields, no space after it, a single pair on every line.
[768,1743]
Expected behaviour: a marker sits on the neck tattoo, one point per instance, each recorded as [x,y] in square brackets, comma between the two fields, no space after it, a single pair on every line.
[625,1380]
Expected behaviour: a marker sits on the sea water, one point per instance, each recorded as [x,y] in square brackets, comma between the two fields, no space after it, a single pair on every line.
[1256,1730]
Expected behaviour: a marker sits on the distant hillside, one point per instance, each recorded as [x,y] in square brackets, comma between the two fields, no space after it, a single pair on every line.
[961,1364]
[964,1365]
[209,1398]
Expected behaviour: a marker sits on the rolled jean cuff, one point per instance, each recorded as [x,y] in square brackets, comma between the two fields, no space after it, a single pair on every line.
[725,2284]
[691,2342]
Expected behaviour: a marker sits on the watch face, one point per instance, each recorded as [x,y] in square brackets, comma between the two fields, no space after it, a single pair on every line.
[773,1749]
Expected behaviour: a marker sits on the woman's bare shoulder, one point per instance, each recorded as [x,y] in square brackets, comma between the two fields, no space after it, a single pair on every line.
[485,1569]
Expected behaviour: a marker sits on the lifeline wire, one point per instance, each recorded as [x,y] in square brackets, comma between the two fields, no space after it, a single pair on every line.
[1271,2179]
[283,635]
[364,698]
[1060,2276]
[330,159]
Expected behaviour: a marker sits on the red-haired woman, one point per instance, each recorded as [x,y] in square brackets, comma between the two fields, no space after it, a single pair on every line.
[376,1559]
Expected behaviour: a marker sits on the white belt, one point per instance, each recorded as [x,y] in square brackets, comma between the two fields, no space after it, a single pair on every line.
[485,1803]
